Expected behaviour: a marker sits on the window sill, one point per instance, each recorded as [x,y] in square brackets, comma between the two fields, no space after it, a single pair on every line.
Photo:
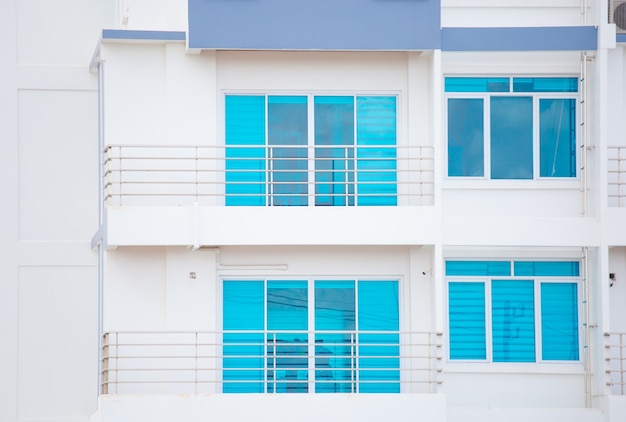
[487,184]
[553,368]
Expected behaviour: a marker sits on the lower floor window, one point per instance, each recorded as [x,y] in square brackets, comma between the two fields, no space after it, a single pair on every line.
[513,311]
[302,336]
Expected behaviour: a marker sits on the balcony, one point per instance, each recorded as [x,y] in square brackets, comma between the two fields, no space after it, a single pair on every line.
[247,195]
[263,362]
[268,176]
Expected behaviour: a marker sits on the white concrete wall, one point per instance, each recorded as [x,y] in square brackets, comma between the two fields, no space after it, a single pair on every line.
[49,211]
[150,288]
[263,408]
[163,15]
[617,292]
[464,13]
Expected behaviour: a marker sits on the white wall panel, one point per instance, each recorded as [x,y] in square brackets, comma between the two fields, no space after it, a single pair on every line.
[58,165]
[61,31]
[134,291]
[57,343]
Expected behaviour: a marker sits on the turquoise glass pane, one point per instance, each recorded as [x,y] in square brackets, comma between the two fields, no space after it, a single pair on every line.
[379,363]
[466,318]
[376,155]
[379,350]
[245,164]
[334,152]
[335,360]
[243,351]
[243,363]
[454,84]
[287,134]
[559,321]
[334,305]
[243,305]
[378,305]
[513,320]
[547,268]
[557,137]
[287,305]
[474,268]
[511,137]
[287,363]
[545,84]
[335,309]
[466,142]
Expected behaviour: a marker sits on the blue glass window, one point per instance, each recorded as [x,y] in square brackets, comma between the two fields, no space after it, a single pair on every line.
[471,268]
[517,306]
[547,268]
[268,143]
[243,341]
[513,320]
[511,138]
[467,321]
[287,133]
[267,341]
[514,117]
[477,84]
[245,150]
[379,341]
[466,133]
[545,84]
[559,321]
[557,137]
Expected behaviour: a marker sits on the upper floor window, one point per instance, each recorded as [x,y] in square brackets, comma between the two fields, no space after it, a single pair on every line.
[511,128]
[301,150]
[519,311]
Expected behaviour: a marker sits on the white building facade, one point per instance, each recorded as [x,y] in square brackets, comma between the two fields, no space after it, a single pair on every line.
[293,211]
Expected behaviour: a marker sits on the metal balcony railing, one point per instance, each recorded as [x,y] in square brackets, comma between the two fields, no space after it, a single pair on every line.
[616,176]
[615,344]
[268,175]
[257,361]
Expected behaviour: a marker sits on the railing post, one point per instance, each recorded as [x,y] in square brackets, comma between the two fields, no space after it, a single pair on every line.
[196,363]
[119,153]
[104,387]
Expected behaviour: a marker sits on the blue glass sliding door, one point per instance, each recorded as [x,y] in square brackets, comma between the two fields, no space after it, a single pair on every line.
[275,153]
[341,338]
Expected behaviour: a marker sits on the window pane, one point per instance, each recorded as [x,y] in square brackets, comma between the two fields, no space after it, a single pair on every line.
[547,268]
[287,126]
[379,363]
[511,138]
[557,137]
[243,305]
[477,84]
[466,137]
[467,320]
[287,305]
[378,306]
[287,363]
[335,311]
[376,164]
[243,352]
[472,268]
[245,165]
[334,152]
[334,305]
[513,320]
[243,363]
[545,84]
[559,321]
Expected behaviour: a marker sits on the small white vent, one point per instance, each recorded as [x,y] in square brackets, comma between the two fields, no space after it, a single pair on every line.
[617,15]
